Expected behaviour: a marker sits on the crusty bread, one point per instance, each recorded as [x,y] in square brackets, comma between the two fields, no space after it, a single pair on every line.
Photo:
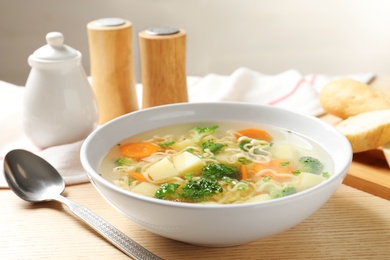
[367,131]
[346,97]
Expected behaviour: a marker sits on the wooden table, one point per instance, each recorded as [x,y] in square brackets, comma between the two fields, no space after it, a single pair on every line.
[353,224]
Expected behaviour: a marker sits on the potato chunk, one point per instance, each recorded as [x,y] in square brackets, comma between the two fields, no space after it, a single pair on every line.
[162,170]
[283,151]
[178,146]
[187,163]
[146,188]
[308,180]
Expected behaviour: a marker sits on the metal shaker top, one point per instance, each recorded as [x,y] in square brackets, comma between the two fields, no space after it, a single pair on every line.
[109,22]
[162,30]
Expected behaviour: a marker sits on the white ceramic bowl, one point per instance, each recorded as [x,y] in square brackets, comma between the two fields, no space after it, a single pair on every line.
[215,225]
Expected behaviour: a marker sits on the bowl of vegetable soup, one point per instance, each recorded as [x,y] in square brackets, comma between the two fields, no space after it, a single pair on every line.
[216,174]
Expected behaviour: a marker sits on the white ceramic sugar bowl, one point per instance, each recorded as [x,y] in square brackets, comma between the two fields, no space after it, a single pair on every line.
[59,104]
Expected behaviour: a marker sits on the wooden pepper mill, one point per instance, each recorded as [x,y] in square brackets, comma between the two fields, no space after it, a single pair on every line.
[163,69]
[112,67]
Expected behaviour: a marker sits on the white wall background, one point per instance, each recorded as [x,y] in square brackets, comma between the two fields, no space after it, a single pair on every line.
[270,36]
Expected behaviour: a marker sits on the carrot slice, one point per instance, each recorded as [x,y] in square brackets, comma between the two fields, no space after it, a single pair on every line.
[256,134]
[138,150]
[244,172]
[138,176]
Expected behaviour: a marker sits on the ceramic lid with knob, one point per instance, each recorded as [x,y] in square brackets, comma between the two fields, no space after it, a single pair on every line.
[55,50]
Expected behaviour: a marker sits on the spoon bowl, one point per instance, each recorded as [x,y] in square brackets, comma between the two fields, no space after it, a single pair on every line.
[35,180]
[31,177]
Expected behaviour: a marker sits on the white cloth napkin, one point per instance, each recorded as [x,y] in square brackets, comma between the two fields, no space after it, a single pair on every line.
[290,90]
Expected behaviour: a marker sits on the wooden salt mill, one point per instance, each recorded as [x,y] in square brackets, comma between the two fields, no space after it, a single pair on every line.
[112,67]
[163,69]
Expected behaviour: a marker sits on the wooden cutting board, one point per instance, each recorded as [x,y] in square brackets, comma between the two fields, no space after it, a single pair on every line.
[370,172]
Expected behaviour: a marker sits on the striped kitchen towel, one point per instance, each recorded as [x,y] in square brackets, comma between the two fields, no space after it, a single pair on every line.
[290,89]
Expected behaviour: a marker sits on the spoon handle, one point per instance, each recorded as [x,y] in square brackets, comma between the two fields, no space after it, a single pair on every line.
[116,237]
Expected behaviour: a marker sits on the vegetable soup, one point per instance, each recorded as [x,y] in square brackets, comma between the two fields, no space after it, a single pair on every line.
[217,163]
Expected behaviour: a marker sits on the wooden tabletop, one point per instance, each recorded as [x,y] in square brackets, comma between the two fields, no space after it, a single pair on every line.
[353,224]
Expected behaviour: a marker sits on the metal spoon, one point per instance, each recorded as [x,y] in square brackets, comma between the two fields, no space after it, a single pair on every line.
[34,179]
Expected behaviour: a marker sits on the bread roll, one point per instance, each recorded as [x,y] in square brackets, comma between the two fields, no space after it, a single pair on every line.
[346,97]
[367,131]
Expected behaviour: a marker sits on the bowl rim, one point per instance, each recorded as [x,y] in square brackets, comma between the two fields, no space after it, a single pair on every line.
[95,177]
